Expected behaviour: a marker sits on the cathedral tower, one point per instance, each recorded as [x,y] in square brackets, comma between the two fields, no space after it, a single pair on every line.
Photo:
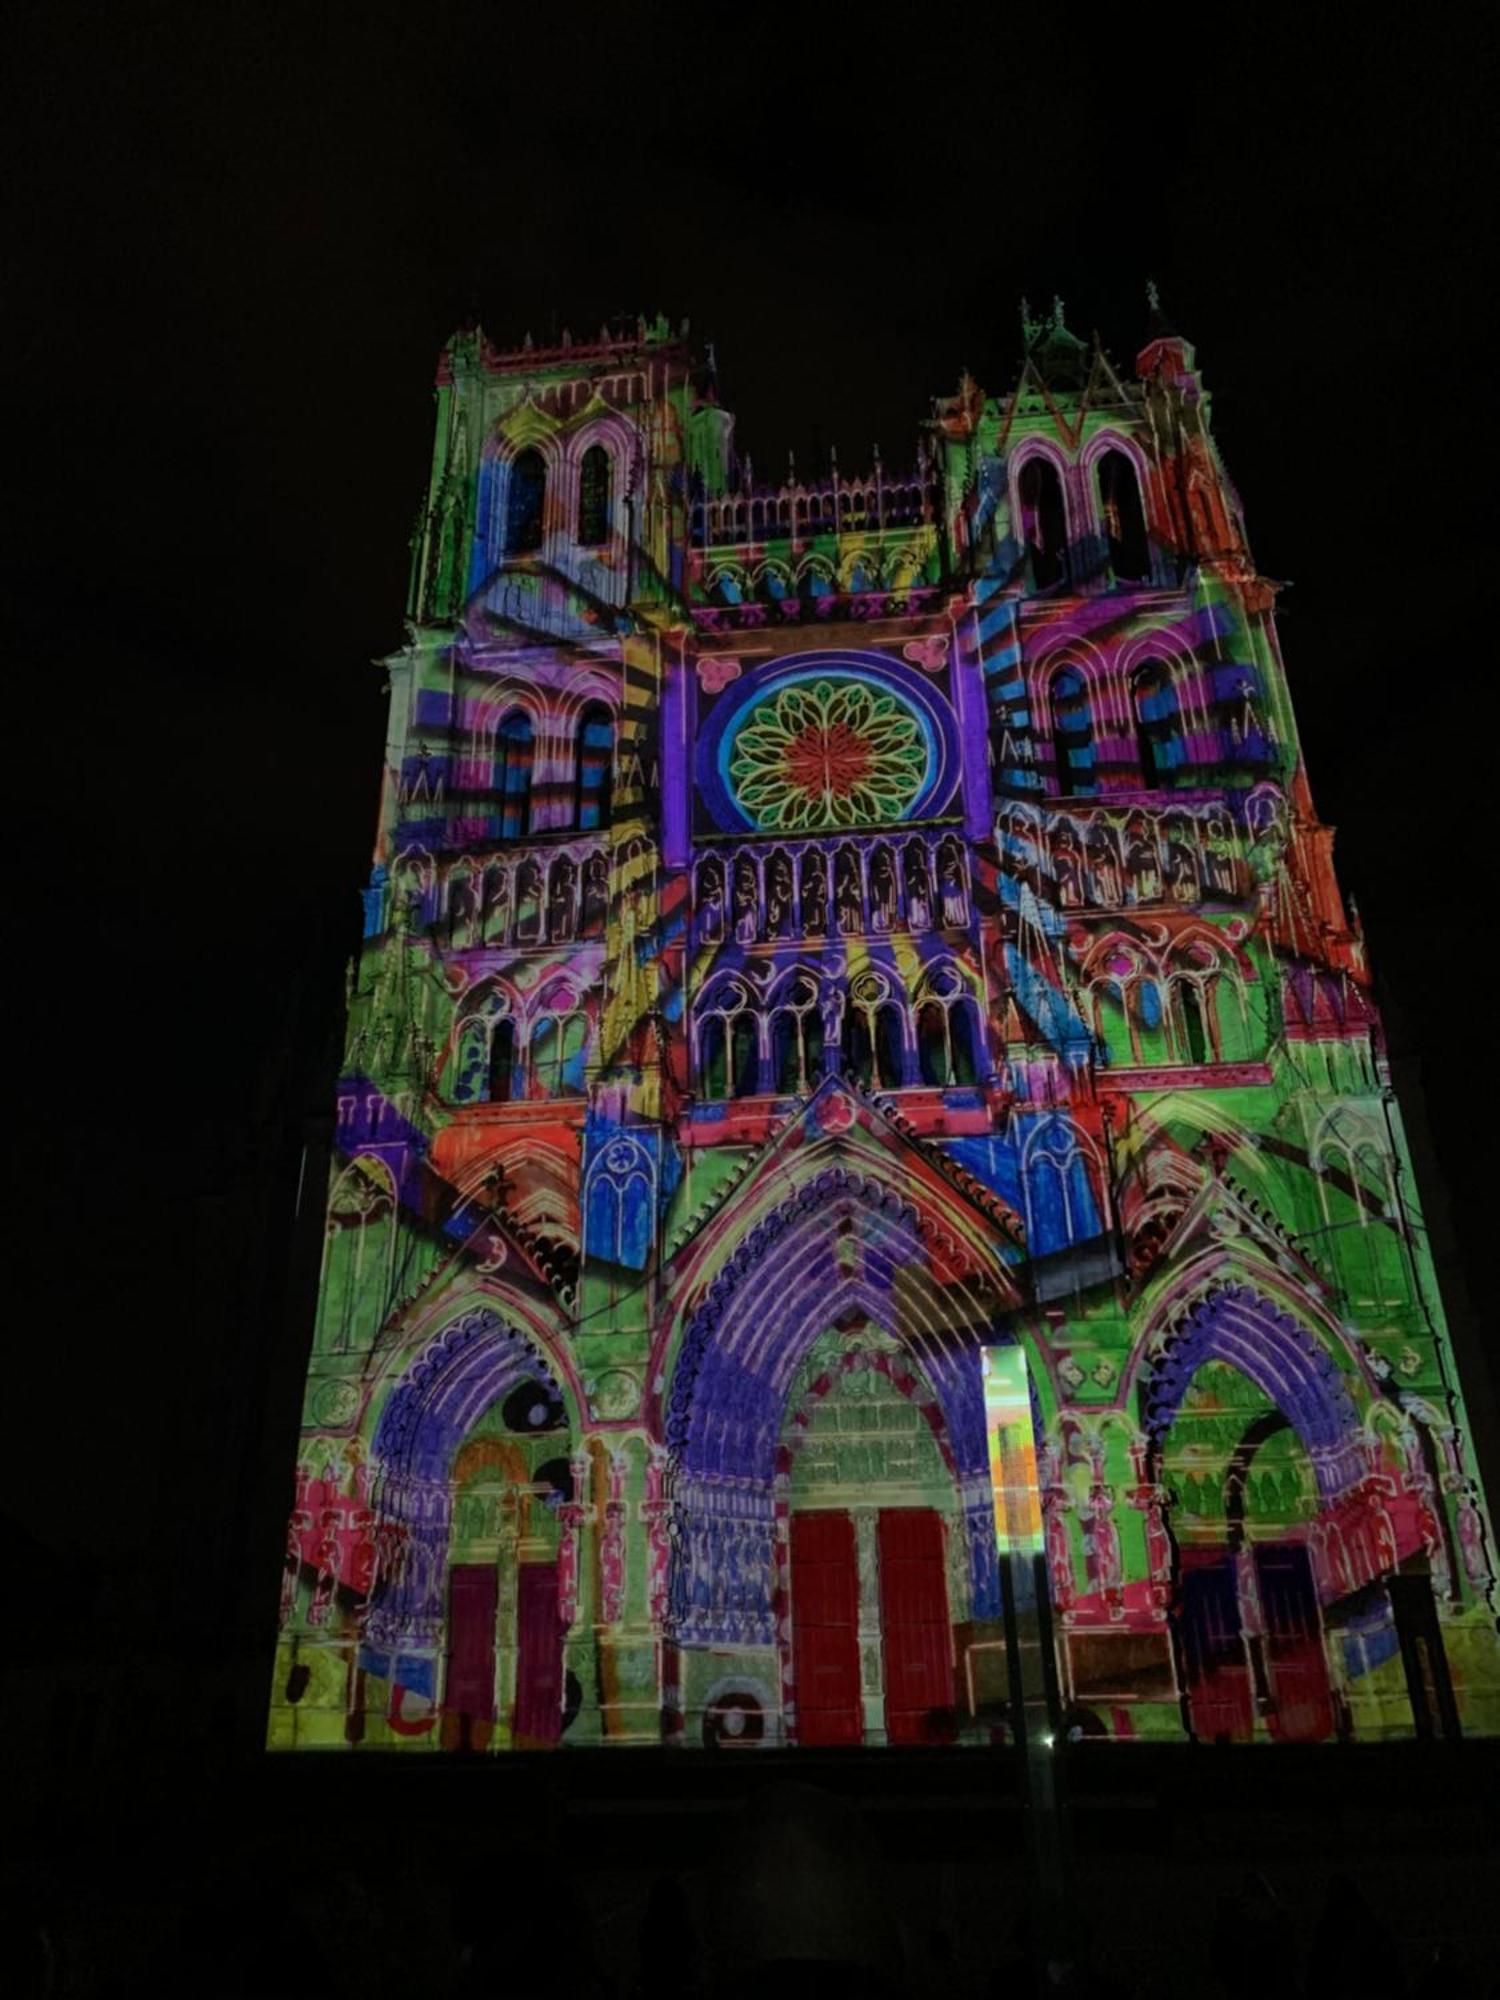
[859,1071]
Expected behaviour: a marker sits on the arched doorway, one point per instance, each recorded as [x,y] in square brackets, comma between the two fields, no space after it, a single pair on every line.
[473,1491]
[1274,1518]
[1242,1495]
[845,1265]
[874,1544]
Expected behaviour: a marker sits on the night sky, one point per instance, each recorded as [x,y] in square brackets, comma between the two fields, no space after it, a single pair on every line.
[239,238]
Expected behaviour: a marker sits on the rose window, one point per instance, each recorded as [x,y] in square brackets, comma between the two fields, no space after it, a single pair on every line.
[827,753]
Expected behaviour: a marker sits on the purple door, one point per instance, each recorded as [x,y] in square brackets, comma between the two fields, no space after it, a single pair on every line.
[469,1685]
[539,1658]
[825,1629]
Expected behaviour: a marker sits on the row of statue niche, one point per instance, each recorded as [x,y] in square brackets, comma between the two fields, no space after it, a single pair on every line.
[528,904]
[785,896]
[1146,859]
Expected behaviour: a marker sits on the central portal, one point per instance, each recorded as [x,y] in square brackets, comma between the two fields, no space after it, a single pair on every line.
[873,1533]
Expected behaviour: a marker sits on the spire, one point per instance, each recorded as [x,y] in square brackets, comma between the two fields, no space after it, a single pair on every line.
[1164,349]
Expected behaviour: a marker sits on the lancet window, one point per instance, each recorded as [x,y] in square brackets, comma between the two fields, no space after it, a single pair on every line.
[1044,522]
[729,1042]
[594,497]
[514,753]
[1123,518]
[875,1042]
[1153,703]
[559,1045]
[484,1057]
[1072,733]
[525,501]
[797,1036]
[948,1048]
[593,762]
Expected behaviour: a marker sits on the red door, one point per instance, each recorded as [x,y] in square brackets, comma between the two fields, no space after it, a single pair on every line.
[539,1658]
[825,1629]
[1295,1661]
[918,1639]
[469,1685]
[1213,1648]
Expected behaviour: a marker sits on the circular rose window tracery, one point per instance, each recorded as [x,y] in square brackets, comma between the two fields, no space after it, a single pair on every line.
[827,753]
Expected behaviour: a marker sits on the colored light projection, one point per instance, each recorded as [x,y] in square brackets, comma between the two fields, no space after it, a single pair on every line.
[827,753]
[1012,1452]
[863,1109]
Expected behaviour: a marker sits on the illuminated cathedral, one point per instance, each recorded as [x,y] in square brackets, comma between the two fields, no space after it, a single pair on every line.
[862,1097]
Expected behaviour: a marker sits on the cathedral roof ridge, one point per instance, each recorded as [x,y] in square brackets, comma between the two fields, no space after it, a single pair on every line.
[614,341]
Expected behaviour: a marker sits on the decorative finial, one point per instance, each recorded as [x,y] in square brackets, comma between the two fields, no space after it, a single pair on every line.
[1153,296]
[1057,313]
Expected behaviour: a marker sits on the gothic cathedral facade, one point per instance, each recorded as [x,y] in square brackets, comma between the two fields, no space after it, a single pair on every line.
[836,943]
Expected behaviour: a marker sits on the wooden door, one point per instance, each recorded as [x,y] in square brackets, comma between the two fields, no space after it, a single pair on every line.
[539,1658]
[1296,1664]
[1213,1648]
[469,1684]
[916,1634]
[825,1629]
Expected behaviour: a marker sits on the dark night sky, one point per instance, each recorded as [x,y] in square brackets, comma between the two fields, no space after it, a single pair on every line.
[238,239]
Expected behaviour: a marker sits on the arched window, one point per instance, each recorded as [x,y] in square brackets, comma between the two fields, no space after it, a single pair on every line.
[1153,703]
[932,1043]
[797,1047]
[729,1044]
[525,496]
[1123,519]
[947,1045]
[596,744]
[1044,523]
[874,1039]
[514,749]
[558,1043]
[859,1050]
[594,497]
[744,1056]
[1190,1018]
[502,1068]
[713,1075]
[1072,734]
[484,1054]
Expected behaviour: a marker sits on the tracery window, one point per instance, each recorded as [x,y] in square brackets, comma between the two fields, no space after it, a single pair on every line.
[484,1059]
[593,768]
[514,753]
[1072,733]
[947,1038]
[594,497]
[559,1042]
[797,1038]
[728,1043]
[1123,519]
[874,1039]
[525,500]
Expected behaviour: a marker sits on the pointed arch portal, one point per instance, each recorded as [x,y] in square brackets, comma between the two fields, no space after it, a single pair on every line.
[471,1365]
[845,1244]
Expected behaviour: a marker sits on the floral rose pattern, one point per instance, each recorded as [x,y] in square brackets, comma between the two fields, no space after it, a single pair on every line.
[827,753]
